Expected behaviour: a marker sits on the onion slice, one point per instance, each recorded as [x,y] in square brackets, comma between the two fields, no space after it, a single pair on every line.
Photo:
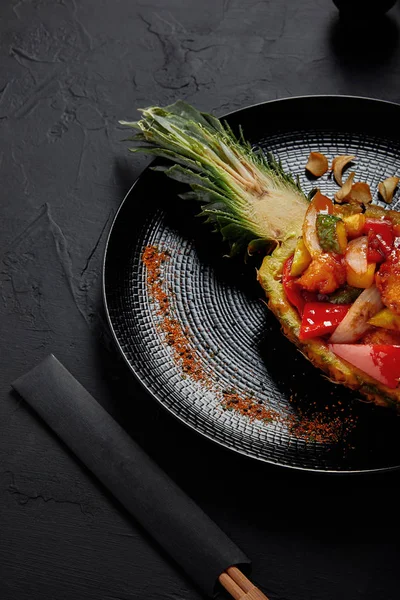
[356,255]
[355,323]
[319,204]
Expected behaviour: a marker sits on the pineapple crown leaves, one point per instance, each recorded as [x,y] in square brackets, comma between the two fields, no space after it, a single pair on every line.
[226,175]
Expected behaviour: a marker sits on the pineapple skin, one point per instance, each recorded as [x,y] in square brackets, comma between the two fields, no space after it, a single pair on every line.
[315,350]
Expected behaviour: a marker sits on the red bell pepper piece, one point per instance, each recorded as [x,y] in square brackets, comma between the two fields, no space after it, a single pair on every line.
[320,318]
[373,254]
[292,290]
[380,237]
[380,361]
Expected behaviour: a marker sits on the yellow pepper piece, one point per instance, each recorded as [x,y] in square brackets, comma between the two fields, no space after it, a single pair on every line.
[387,319]
[354,225]
[365,280]
[301,259]
[341,235]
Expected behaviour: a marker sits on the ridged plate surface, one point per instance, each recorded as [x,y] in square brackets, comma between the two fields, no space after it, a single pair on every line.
[218,300]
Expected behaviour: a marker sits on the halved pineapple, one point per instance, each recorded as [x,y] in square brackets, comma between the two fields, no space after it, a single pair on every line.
[253,202]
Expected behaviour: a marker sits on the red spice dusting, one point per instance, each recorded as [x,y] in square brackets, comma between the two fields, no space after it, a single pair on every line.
[176,336]
[318,427]
[326,427]
[249,407]
[153,259]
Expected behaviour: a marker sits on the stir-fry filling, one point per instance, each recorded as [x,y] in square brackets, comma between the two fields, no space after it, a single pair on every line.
[344,281]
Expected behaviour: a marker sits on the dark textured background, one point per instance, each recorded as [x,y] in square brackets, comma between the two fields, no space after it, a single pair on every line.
[68,71]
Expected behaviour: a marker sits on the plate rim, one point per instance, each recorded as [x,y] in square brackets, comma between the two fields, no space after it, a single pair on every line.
[140,378]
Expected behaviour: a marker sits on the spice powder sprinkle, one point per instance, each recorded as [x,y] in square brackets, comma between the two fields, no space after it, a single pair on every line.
[176,336]
[319,427]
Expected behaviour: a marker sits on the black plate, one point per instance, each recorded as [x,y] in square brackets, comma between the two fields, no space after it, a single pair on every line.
[220,302]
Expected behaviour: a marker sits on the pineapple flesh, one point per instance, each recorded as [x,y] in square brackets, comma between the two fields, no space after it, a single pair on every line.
[253,203]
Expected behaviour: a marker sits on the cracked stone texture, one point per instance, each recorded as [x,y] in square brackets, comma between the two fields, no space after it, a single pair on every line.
[69,69]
